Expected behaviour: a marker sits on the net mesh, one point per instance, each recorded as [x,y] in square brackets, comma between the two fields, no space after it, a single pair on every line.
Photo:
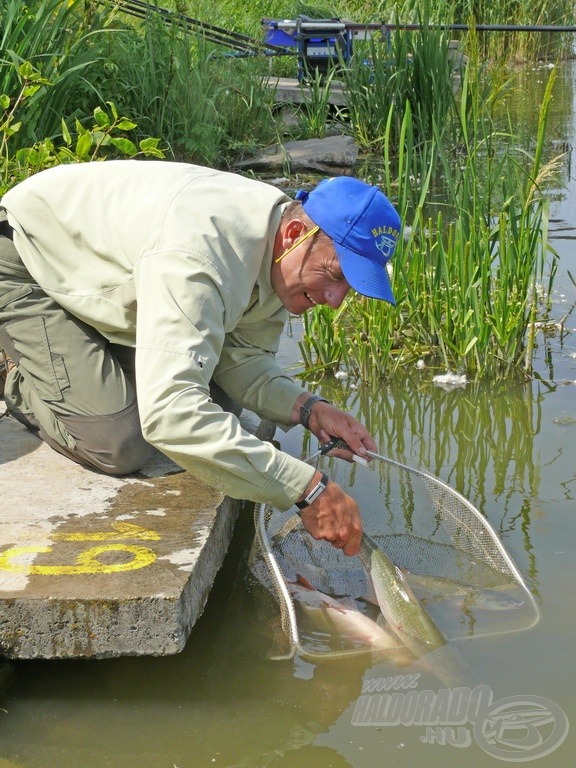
[453,560]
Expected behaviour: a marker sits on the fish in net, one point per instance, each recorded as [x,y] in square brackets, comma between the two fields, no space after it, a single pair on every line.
[450,560]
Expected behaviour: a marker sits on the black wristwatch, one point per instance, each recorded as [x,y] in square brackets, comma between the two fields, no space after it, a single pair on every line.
[306,409]
[314,493]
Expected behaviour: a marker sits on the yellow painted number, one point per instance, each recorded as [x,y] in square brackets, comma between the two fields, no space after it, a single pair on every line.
[92,560]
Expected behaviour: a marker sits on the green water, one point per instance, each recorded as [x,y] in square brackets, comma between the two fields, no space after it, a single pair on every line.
[509,448]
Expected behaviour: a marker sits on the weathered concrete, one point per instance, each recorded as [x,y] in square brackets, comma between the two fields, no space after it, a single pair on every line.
[334,153]
[95,566]
[288,90]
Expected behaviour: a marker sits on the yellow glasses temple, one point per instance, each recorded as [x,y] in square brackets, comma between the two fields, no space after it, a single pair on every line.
[298,242]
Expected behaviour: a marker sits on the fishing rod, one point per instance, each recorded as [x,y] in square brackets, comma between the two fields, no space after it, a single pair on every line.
[481,27]
[336,25]
[212,33]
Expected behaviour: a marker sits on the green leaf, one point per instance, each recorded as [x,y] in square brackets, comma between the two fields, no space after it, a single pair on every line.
[22,155]
[125,125]
[66,156]
[101,117]
[98,136]
[27,71]
[471,344]
[30,90]
[66,135]
[149,147]
[4,101]
[80,130]
[154,153]
[149,143]
[83,145]
[9,128]
[125,146]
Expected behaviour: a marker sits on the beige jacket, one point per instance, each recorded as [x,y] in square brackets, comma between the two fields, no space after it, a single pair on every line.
[174,259]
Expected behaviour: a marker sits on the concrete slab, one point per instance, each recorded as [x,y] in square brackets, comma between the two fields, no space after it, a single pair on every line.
[307,155]
[96,566]
[288,90]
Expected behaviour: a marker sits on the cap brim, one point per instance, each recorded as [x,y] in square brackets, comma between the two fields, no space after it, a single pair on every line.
[368,277]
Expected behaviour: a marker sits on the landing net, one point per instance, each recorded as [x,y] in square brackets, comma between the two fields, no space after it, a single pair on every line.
[453,560]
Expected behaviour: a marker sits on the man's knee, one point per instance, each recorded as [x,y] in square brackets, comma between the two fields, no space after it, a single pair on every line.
[113,444]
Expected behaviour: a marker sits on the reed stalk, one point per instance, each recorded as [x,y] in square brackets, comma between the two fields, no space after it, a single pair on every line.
[470,275]
[474,273]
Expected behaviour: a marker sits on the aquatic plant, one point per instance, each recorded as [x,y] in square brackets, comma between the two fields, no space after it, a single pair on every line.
[421,67]
[108,135]
[467,278]
[472,279]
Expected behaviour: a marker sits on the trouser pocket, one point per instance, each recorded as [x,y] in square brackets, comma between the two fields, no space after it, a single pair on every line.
[26,342]
[24,336]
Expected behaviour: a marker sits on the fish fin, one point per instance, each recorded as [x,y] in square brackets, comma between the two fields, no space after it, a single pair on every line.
[349,602]
[304,582]
[334,605]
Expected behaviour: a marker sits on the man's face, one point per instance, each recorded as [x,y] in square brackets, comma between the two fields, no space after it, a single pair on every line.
[310,274]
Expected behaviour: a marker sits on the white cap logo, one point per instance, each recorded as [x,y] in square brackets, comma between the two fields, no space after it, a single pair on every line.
[385,245]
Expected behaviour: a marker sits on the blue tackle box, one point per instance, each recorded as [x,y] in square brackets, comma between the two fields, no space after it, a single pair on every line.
[320,43]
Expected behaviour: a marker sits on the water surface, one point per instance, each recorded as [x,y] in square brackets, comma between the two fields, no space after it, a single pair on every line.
[509,447]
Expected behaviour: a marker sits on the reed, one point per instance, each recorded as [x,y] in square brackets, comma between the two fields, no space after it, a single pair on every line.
[473,277]
[471,274]
[317,111]
[513,46]
[208,108]
[419,68]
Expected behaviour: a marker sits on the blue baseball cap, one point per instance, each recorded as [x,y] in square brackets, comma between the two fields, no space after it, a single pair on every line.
[364,226]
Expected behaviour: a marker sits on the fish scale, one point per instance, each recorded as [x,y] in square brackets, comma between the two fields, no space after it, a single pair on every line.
[401,609]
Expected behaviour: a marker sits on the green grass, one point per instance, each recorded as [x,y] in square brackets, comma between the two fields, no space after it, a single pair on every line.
[56,38]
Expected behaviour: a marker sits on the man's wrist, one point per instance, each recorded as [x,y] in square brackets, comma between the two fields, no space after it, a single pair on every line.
[306,408]
[314,493]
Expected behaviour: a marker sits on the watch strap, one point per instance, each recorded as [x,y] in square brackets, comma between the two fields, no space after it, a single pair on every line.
[306,408]
[314,493]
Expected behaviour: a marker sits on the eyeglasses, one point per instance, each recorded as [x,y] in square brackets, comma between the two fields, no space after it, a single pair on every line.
[298,242]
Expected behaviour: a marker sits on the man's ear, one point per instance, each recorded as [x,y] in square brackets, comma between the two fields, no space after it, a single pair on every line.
[292,230]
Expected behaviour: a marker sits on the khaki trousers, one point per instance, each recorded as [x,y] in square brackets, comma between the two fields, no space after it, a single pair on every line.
[70,386]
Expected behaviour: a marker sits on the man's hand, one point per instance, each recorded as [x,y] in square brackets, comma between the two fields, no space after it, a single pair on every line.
[334,517]
[327,421]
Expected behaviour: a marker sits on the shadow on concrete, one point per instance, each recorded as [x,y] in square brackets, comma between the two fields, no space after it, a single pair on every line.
[15,440]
